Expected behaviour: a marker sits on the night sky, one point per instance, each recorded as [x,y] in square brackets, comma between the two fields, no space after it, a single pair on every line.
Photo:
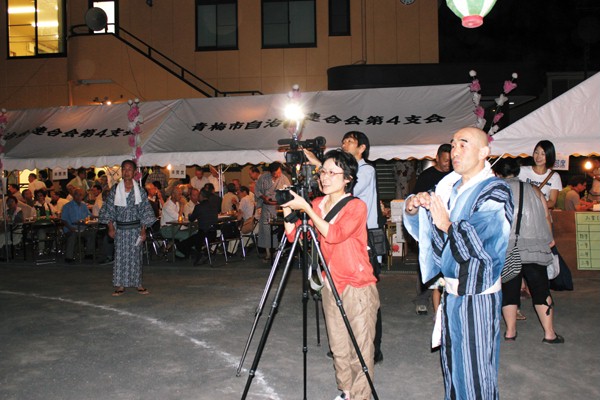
[547,33]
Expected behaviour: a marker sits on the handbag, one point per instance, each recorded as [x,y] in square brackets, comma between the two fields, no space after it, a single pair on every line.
[512,263]
[554,267]
[564,279]
[377,241]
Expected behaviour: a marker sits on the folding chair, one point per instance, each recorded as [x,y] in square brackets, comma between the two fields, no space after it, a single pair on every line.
[246,237]
[212,240]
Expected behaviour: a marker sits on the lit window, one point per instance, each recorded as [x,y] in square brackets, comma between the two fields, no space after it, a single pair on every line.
[288,23]
[36,28]
[110,9]
[216,25]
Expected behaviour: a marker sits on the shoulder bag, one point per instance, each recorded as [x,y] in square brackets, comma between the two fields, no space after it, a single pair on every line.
[513,264]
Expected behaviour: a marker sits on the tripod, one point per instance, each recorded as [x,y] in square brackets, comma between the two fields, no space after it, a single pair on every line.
[304,229]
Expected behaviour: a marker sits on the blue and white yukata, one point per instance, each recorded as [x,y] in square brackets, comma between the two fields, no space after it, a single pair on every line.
[470,257]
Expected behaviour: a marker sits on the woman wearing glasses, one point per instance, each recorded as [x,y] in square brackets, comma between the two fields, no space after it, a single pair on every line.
[343,241]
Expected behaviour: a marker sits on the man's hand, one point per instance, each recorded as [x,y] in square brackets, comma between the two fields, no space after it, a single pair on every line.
[413,203]
[312,158]
[439,214]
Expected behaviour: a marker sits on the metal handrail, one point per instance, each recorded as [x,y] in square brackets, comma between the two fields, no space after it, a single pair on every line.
[162,60]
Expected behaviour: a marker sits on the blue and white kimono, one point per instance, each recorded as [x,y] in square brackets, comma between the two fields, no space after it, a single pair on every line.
[470,257]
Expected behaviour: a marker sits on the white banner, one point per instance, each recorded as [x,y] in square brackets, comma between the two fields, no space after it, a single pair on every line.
[400,123]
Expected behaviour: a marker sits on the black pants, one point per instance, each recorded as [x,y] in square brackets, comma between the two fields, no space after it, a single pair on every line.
[536,277]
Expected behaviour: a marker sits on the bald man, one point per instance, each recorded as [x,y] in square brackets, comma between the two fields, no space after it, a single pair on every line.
[463,232]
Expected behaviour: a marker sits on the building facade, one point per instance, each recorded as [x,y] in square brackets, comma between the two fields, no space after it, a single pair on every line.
[221,46]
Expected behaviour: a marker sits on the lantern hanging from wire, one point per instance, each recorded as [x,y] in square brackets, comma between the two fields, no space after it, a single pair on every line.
[471,12]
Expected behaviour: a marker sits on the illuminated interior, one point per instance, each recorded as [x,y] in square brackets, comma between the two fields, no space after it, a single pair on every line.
[35,27]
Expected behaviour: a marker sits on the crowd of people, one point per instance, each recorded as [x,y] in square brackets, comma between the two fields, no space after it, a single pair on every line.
[465,214]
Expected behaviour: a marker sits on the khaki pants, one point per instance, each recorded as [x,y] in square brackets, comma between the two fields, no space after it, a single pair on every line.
[361,305]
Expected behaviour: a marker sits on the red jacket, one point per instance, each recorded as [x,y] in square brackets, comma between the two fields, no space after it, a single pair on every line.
[345,247]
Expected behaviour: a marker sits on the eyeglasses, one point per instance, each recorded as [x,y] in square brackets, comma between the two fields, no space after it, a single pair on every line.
[323,173]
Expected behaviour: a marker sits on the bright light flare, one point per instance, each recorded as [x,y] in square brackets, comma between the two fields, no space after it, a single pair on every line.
[293,112]
[588,165]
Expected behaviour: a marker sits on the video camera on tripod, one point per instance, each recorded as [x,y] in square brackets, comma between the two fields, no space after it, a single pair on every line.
[304,177]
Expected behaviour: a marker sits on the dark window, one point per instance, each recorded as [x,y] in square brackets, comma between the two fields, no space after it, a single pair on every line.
[36,28]
[288,23]
[339,17]
[216,25]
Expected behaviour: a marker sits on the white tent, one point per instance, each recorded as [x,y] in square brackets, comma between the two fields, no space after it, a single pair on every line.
[571,122]
[400,122]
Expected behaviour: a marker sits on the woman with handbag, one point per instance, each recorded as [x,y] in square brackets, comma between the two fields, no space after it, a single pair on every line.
[529,247]
[541,173]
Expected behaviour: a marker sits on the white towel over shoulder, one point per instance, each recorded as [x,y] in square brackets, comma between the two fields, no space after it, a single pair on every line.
[121,195]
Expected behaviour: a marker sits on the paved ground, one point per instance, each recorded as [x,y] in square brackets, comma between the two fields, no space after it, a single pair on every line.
[63,336]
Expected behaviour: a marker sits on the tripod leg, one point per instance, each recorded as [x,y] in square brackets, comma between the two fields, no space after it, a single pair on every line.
[261,303]
[344,316]
[272,312]
[316,299]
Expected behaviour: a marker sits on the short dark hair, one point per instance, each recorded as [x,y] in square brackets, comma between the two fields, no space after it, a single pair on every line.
[255,169]
[244,189]
[38,191]
[445,148]
[81,170]
[98,186]
[361,138]
[347,163]
[157,184]
[549,150]
[274,166]
[209,187]
[507,167]
[577,179]
[231,187]
[130,162]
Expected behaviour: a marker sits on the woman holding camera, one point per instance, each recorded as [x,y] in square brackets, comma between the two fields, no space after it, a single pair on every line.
[343,241]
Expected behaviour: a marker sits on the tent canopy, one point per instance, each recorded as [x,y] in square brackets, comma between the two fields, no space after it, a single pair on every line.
[401,123]
[571,122]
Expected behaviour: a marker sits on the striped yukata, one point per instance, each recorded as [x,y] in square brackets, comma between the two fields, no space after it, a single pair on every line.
[127,270]
[471,255]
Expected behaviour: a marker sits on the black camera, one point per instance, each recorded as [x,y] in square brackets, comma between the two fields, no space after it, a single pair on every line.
[282,196]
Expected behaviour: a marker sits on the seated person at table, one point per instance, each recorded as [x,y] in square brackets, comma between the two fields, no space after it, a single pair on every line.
[57,199]
[28,197]
[13,189]
[246,210]
[568,198]
[230,199]
[42,207]
[207,215]
[214,198]
[15,221]
[172,210]
[73,217]
[43,210]
[188,209]
[96,192]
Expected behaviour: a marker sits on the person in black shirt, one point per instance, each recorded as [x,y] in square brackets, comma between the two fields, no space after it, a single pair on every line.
[427,181]
[207,214]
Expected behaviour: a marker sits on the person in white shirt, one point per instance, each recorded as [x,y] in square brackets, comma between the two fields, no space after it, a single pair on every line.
[58,200]
[172,210]
[246,210]
[194,200]
[544,156]
[98,201]
[35,184]
[230,199]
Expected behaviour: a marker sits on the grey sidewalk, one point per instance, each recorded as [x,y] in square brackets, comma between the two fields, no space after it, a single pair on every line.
[63,336]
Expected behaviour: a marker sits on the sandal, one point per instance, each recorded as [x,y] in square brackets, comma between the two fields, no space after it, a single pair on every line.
[520,316]
[118,292]
[143,290]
